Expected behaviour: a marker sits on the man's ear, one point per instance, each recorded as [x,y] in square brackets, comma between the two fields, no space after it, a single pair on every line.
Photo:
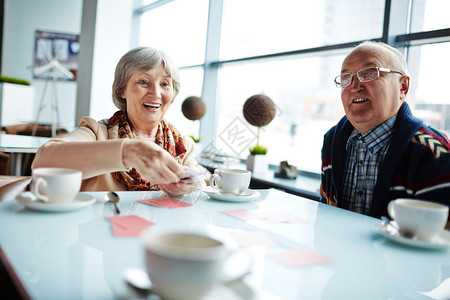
[404,86]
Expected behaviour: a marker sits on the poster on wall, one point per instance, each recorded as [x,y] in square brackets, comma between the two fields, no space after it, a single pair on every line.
[56,55]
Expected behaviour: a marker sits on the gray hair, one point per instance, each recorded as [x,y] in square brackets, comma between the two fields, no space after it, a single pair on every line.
[138,60]
[386,51]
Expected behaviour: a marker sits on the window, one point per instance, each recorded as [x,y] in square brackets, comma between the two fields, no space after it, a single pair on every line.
[307,105]
[430,15]
[427,99]
[191,85]
[258,27]
[182,35]
[170,28]
[291,51]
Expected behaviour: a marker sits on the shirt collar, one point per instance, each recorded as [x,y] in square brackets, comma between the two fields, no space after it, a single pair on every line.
[374,139]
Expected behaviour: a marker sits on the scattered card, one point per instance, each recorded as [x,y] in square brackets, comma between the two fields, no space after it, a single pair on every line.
[128,226]
[253,238]
[299,257]
[243,214]
[191,176]
[168,202]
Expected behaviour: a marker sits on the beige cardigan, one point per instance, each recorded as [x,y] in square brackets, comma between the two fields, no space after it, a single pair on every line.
[95,160]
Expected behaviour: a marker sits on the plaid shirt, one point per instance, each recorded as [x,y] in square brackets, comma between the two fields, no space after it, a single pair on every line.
[365,152]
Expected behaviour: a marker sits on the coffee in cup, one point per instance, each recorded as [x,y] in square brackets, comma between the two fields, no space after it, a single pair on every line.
[184,265]
[233,181]
[420,219]
[55,185]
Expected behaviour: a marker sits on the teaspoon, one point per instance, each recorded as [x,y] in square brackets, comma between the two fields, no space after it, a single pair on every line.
[138,279]
[403,233]
[112,197]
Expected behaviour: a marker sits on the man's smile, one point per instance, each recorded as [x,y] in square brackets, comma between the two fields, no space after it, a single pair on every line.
[360,100]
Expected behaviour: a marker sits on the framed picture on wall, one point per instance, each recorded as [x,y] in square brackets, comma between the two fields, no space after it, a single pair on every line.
[56,55]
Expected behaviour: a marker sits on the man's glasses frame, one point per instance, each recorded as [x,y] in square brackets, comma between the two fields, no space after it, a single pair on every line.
[364,75]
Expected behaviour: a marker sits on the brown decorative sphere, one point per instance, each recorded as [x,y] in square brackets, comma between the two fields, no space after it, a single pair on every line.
[193,108]
[259,110]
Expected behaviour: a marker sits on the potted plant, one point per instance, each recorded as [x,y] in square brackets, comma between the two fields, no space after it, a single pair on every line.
[257,160]
[259,110]
[13,80]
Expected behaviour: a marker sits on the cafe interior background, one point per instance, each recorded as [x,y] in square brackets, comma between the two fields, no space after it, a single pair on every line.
[227,51]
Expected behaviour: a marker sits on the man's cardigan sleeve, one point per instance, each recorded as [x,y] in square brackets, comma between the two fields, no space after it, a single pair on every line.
[424,171]
[327,188]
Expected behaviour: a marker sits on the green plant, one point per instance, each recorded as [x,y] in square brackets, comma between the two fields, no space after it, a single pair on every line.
[258,149]
[197,140]
[13,80]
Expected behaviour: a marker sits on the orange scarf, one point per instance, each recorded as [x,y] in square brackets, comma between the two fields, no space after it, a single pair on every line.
[166,136]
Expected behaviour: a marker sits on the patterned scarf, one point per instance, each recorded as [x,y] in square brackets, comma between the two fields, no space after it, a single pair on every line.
[166,136]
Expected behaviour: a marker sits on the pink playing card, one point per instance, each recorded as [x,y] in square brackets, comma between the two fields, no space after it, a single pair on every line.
[299,257]
[168,202]
[128,226]
[243,214]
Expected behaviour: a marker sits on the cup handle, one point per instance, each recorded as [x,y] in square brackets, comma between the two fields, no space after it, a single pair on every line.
[390,209]
[40,181]
[214,181]
[244,261]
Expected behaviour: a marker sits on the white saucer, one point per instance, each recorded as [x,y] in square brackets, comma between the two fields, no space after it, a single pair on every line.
[233,291]
[441,242]
[30,201]
[248,195]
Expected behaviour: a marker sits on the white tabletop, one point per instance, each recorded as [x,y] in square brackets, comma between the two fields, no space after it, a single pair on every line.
[21,143]
[74,255]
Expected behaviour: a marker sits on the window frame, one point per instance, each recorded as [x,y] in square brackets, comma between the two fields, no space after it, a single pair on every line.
[396,33]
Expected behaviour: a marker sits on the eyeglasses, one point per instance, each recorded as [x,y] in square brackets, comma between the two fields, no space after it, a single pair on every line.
[364,75]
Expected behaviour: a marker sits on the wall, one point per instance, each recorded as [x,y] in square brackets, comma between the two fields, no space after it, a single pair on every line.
[21,19]
[107,34]
[110,28]
[13,98]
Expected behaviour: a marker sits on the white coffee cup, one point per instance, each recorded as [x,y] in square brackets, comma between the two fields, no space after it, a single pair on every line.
[55,185]
[423,220]
[233,181]
[185,265]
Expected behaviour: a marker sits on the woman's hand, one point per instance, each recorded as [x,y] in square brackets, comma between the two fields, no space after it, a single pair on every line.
[152,162]
[177,189]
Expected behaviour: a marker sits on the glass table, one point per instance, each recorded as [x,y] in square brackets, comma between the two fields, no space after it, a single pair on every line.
[74,255]
[17,146]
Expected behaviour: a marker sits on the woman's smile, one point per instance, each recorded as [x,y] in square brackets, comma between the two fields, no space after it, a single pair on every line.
[152,105]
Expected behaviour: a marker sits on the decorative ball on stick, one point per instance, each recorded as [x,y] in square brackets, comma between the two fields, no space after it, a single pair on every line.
[193,108]
[259,110]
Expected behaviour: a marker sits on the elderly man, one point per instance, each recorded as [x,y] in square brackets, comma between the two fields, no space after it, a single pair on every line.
[379,151]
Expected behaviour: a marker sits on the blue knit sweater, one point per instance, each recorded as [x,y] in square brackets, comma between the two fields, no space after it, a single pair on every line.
[417,164]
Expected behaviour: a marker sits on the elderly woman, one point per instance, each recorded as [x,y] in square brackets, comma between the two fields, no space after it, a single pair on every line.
[135,149]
